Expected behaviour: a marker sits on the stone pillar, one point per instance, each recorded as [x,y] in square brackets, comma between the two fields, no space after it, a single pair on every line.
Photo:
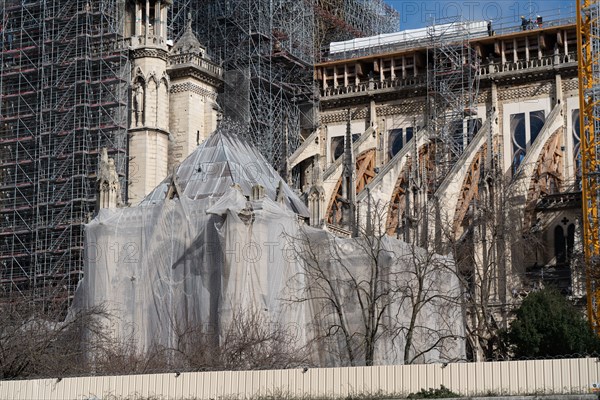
[316,196]
[558,92]
[147,20]
[138,20]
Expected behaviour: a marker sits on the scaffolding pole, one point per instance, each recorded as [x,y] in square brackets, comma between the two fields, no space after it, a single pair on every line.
[63,88]
[453,85]
[268,49]
[588,46]
[338,20]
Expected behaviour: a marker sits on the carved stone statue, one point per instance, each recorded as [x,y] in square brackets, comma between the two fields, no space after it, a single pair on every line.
[138,103]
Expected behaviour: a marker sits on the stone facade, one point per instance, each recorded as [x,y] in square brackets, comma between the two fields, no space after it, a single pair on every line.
[507,207]
[173,97]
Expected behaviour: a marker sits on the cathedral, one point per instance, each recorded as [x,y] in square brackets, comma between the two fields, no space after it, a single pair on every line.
[462,138]
[485,172]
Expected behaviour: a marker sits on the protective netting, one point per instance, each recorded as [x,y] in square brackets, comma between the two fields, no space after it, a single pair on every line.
[198,250]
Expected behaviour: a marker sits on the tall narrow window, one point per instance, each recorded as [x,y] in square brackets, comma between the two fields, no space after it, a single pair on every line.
[409,134]
[473,126]
[518,138]
[537,119]
[457,132]
[395,141]
[337,147]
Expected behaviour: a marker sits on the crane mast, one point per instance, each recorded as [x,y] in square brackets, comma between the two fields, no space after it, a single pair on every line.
[588,46]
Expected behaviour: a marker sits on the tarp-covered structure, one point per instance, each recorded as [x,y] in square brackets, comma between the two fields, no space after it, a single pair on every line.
[214,238]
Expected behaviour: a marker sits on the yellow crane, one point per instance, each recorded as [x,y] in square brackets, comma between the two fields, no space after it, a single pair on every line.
[588,46]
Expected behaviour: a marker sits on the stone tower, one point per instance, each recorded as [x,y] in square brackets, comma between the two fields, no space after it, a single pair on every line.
[149,126]
[193,95]
[173,96]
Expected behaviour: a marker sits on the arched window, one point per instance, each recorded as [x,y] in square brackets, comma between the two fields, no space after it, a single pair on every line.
[524,130]
[395,142]
[518,138]
[337,147]
[537,119]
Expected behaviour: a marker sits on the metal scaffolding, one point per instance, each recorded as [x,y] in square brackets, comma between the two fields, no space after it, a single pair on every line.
[453,85]
[268,49]
[338,20]
[63,88]
[177,16]
[588,44]
[64,85]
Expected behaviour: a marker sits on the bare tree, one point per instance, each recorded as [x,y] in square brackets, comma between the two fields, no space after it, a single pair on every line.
[250,341]
[431,296]
[491,245]
[41,342]
[361,290]
[113,356]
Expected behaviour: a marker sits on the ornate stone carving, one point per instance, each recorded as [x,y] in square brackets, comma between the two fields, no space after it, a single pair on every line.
[108,185]
[528,91]
[149,53]
[190,87]
[342,116]
[570,85]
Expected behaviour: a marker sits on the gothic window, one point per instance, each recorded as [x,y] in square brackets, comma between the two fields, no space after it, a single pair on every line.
[151,17]
[398,138]
[473,126]
[537,119]
[337,147]
[457,132]
[518,139]
[409,134]
[395,141]
[524,130]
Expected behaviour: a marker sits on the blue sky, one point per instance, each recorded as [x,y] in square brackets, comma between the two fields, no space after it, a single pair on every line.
[418,13]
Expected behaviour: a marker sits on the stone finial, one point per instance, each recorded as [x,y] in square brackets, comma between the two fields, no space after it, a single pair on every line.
[189,21]
[258,192]
[280,198]
[108,185]
[317,178]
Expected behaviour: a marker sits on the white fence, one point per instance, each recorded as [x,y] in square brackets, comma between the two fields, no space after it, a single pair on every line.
[576,376]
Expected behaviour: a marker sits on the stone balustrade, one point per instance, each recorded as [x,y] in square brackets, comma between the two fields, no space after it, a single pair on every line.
[485,69]
[375,85]
[196,60]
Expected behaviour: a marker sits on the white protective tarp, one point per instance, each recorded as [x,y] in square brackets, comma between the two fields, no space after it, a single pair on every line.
[412,37]
[205,251]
